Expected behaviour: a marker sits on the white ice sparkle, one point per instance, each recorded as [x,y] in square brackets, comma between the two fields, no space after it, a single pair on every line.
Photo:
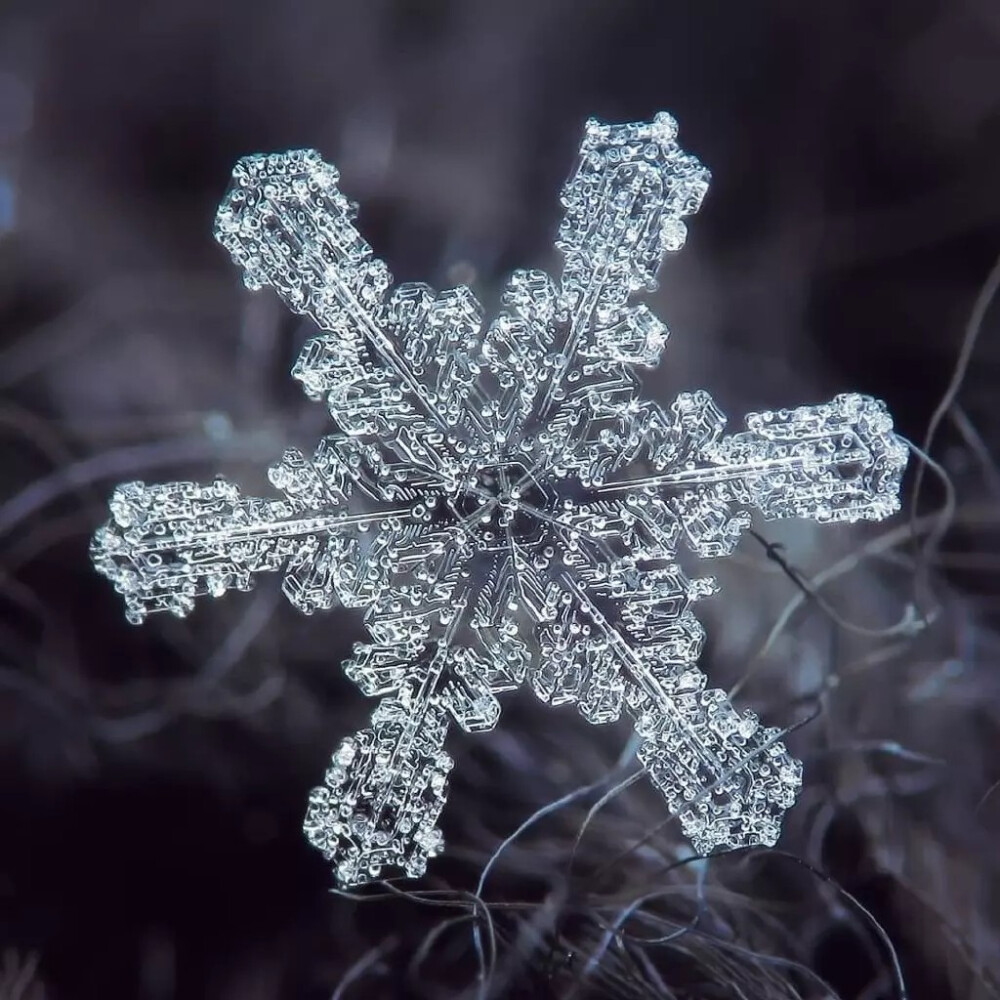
[502,502]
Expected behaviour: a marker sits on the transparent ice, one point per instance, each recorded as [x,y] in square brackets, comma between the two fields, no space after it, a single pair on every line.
[502,502]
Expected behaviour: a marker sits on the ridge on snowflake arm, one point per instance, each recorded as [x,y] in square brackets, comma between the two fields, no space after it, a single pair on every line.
[501,502]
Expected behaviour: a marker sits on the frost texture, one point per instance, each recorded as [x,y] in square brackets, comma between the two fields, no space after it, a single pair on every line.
[502,502]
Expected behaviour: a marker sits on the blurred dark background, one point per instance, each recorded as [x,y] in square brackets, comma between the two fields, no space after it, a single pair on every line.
[154,779]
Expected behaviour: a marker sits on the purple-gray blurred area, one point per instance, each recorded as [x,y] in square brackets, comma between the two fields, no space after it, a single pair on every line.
[153,780]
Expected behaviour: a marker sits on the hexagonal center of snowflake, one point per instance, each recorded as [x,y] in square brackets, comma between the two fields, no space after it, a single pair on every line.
[501,501]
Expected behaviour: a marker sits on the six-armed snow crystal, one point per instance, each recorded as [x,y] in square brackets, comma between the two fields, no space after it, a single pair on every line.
[502,501]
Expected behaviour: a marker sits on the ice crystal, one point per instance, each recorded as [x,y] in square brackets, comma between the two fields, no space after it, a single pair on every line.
[502,502]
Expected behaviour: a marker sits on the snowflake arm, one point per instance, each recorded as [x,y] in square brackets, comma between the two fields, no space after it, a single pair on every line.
[389,365]
[167,544]
[624,208]
[387,784]
[501,502]
[838,461]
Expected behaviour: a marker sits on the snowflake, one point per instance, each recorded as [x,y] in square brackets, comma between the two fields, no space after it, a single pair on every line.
[502,502]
